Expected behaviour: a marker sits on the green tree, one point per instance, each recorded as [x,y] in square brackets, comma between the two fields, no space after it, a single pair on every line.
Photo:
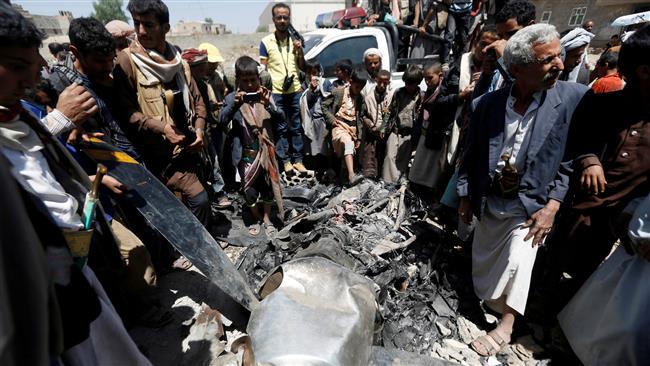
[208,20]
[107,10]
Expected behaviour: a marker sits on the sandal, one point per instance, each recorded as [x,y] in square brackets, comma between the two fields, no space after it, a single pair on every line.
[489,344]
[223,202]
[182,263]
[254,230]
[270,229]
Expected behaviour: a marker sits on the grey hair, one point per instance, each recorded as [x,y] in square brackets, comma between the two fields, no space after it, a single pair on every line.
[519,49]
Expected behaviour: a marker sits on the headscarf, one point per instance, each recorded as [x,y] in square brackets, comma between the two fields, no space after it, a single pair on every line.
[155,66]
[194,57]
[576,38]
[372,52]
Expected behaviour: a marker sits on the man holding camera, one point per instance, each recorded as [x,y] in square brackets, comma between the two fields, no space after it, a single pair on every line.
[282,54]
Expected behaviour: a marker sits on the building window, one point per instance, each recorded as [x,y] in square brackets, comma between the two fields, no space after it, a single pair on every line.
[577,16]
[546,17]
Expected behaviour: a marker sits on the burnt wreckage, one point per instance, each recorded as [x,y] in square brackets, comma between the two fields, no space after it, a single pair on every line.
[420,281]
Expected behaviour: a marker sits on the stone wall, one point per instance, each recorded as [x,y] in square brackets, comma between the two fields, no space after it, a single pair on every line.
[602,15]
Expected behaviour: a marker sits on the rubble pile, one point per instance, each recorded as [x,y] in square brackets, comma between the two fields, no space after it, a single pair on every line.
[421,274]
[380,231]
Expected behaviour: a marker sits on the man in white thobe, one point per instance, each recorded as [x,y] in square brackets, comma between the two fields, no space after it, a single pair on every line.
[512,175]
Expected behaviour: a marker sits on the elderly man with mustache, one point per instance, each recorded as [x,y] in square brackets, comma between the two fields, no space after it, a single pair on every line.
[512,177]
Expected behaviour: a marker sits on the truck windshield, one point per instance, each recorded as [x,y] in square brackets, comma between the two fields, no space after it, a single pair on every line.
[311,40]
[350,48]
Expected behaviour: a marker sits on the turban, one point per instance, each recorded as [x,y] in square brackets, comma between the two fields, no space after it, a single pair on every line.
[575,39]
[372,52]
[193,56]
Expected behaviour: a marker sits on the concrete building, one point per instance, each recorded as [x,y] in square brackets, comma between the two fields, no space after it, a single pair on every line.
[194,27]
[51,25]
[568,14]
[304,12]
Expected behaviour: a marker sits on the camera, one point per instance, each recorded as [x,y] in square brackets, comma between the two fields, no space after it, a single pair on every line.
[492,53]
[251,97]
[288,82]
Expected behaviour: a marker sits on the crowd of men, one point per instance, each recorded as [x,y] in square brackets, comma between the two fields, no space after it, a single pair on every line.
[539,161]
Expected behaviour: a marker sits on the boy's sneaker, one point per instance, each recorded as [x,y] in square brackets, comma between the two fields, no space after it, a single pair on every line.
[300,167]
[288,168]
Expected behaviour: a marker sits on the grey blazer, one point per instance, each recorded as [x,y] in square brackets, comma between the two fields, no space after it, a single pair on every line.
[546,176]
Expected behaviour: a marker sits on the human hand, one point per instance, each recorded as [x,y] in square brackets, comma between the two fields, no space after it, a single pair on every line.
[498,46]
[465,210]
[239,98]
[593,179]
[198,142]
[466,93]
[113,184]
[422,29]
[541,222]
[357,144]
[265,96]
[78,133]
[77,104]
[297,46]
[173,135]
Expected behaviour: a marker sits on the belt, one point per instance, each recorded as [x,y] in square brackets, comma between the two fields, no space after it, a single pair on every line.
[249,153]
[508,192]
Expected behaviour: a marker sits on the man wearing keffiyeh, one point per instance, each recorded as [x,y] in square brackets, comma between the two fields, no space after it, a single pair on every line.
[575,45]
[160,99]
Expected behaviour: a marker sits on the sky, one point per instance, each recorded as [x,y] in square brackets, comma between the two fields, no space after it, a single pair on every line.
[240,16]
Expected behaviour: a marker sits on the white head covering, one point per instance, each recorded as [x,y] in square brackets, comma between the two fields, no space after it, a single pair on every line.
[372,52]
[577,38]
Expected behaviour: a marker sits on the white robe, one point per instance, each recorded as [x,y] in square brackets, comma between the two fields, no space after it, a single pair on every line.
[502,262]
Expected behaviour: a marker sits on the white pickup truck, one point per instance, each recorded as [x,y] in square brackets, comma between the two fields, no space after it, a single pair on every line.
[331,45]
